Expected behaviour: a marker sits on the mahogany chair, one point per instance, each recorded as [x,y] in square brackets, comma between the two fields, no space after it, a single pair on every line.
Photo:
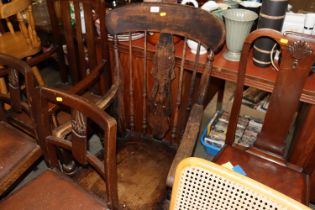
[18,147]
[84,45]
[159,103]
[267,161]
[53,189]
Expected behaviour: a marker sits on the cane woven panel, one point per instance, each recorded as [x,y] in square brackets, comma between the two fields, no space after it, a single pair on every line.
[214,187]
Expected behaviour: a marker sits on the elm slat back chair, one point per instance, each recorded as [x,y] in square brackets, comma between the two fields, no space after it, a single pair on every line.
[53,189]
[266,161]
[149,101]
[22,42]
[77,31]
[201,184]
[18,149]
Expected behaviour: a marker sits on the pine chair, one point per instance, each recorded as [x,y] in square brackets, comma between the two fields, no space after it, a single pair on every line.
[19,148]
[201,184]
[267,161]
[159,104]
[21,42]
[53,189]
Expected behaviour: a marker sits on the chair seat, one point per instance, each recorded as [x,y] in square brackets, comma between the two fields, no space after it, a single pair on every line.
[51,191]
[142,167]
[9,43]
[266,172]
[18,151]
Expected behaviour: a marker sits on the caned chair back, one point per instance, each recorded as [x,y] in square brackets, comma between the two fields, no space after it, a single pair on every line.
[201,184]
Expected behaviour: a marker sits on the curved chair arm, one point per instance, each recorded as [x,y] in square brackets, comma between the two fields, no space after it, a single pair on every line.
[84,83]
[103,103]
[187,144]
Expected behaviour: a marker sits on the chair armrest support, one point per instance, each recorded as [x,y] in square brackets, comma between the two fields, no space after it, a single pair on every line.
[64,129]
[41,57]
[188,141]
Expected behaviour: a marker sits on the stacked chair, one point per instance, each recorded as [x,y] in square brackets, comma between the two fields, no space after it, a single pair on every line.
[21,40]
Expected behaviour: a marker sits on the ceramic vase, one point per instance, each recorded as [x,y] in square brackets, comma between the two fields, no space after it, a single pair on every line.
[238,23]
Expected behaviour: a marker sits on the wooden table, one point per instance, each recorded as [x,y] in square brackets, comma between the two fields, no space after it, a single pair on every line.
[261,78]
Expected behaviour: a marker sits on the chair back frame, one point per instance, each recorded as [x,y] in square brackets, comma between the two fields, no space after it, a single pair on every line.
[154,102]
[81,112]
[297,57]
[13,68]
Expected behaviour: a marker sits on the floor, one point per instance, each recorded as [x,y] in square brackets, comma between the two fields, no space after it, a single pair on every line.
[51,77]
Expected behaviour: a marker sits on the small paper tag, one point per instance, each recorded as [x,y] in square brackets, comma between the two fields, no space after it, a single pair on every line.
[59,99]
[154,9]
[162,14]
[284,41]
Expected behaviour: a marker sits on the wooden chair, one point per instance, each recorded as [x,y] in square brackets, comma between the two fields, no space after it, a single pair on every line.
[201,184]
[159,106]
[18,149]
[76,30]
[52,189]
[21,42]
[267,161]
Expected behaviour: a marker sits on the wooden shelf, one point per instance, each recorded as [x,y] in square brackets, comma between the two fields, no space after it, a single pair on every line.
[261,78]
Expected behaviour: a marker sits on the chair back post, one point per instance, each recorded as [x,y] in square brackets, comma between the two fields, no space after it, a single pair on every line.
[57,40]
[82,111]
[297,56]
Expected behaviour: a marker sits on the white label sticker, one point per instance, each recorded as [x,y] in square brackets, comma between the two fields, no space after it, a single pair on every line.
[154,9]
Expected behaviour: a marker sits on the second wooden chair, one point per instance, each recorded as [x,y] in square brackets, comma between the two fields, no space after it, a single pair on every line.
[52,189]
[267,161]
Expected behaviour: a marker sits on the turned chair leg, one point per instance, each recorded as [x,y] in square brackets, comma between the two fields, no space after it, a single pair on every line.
[38,76]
